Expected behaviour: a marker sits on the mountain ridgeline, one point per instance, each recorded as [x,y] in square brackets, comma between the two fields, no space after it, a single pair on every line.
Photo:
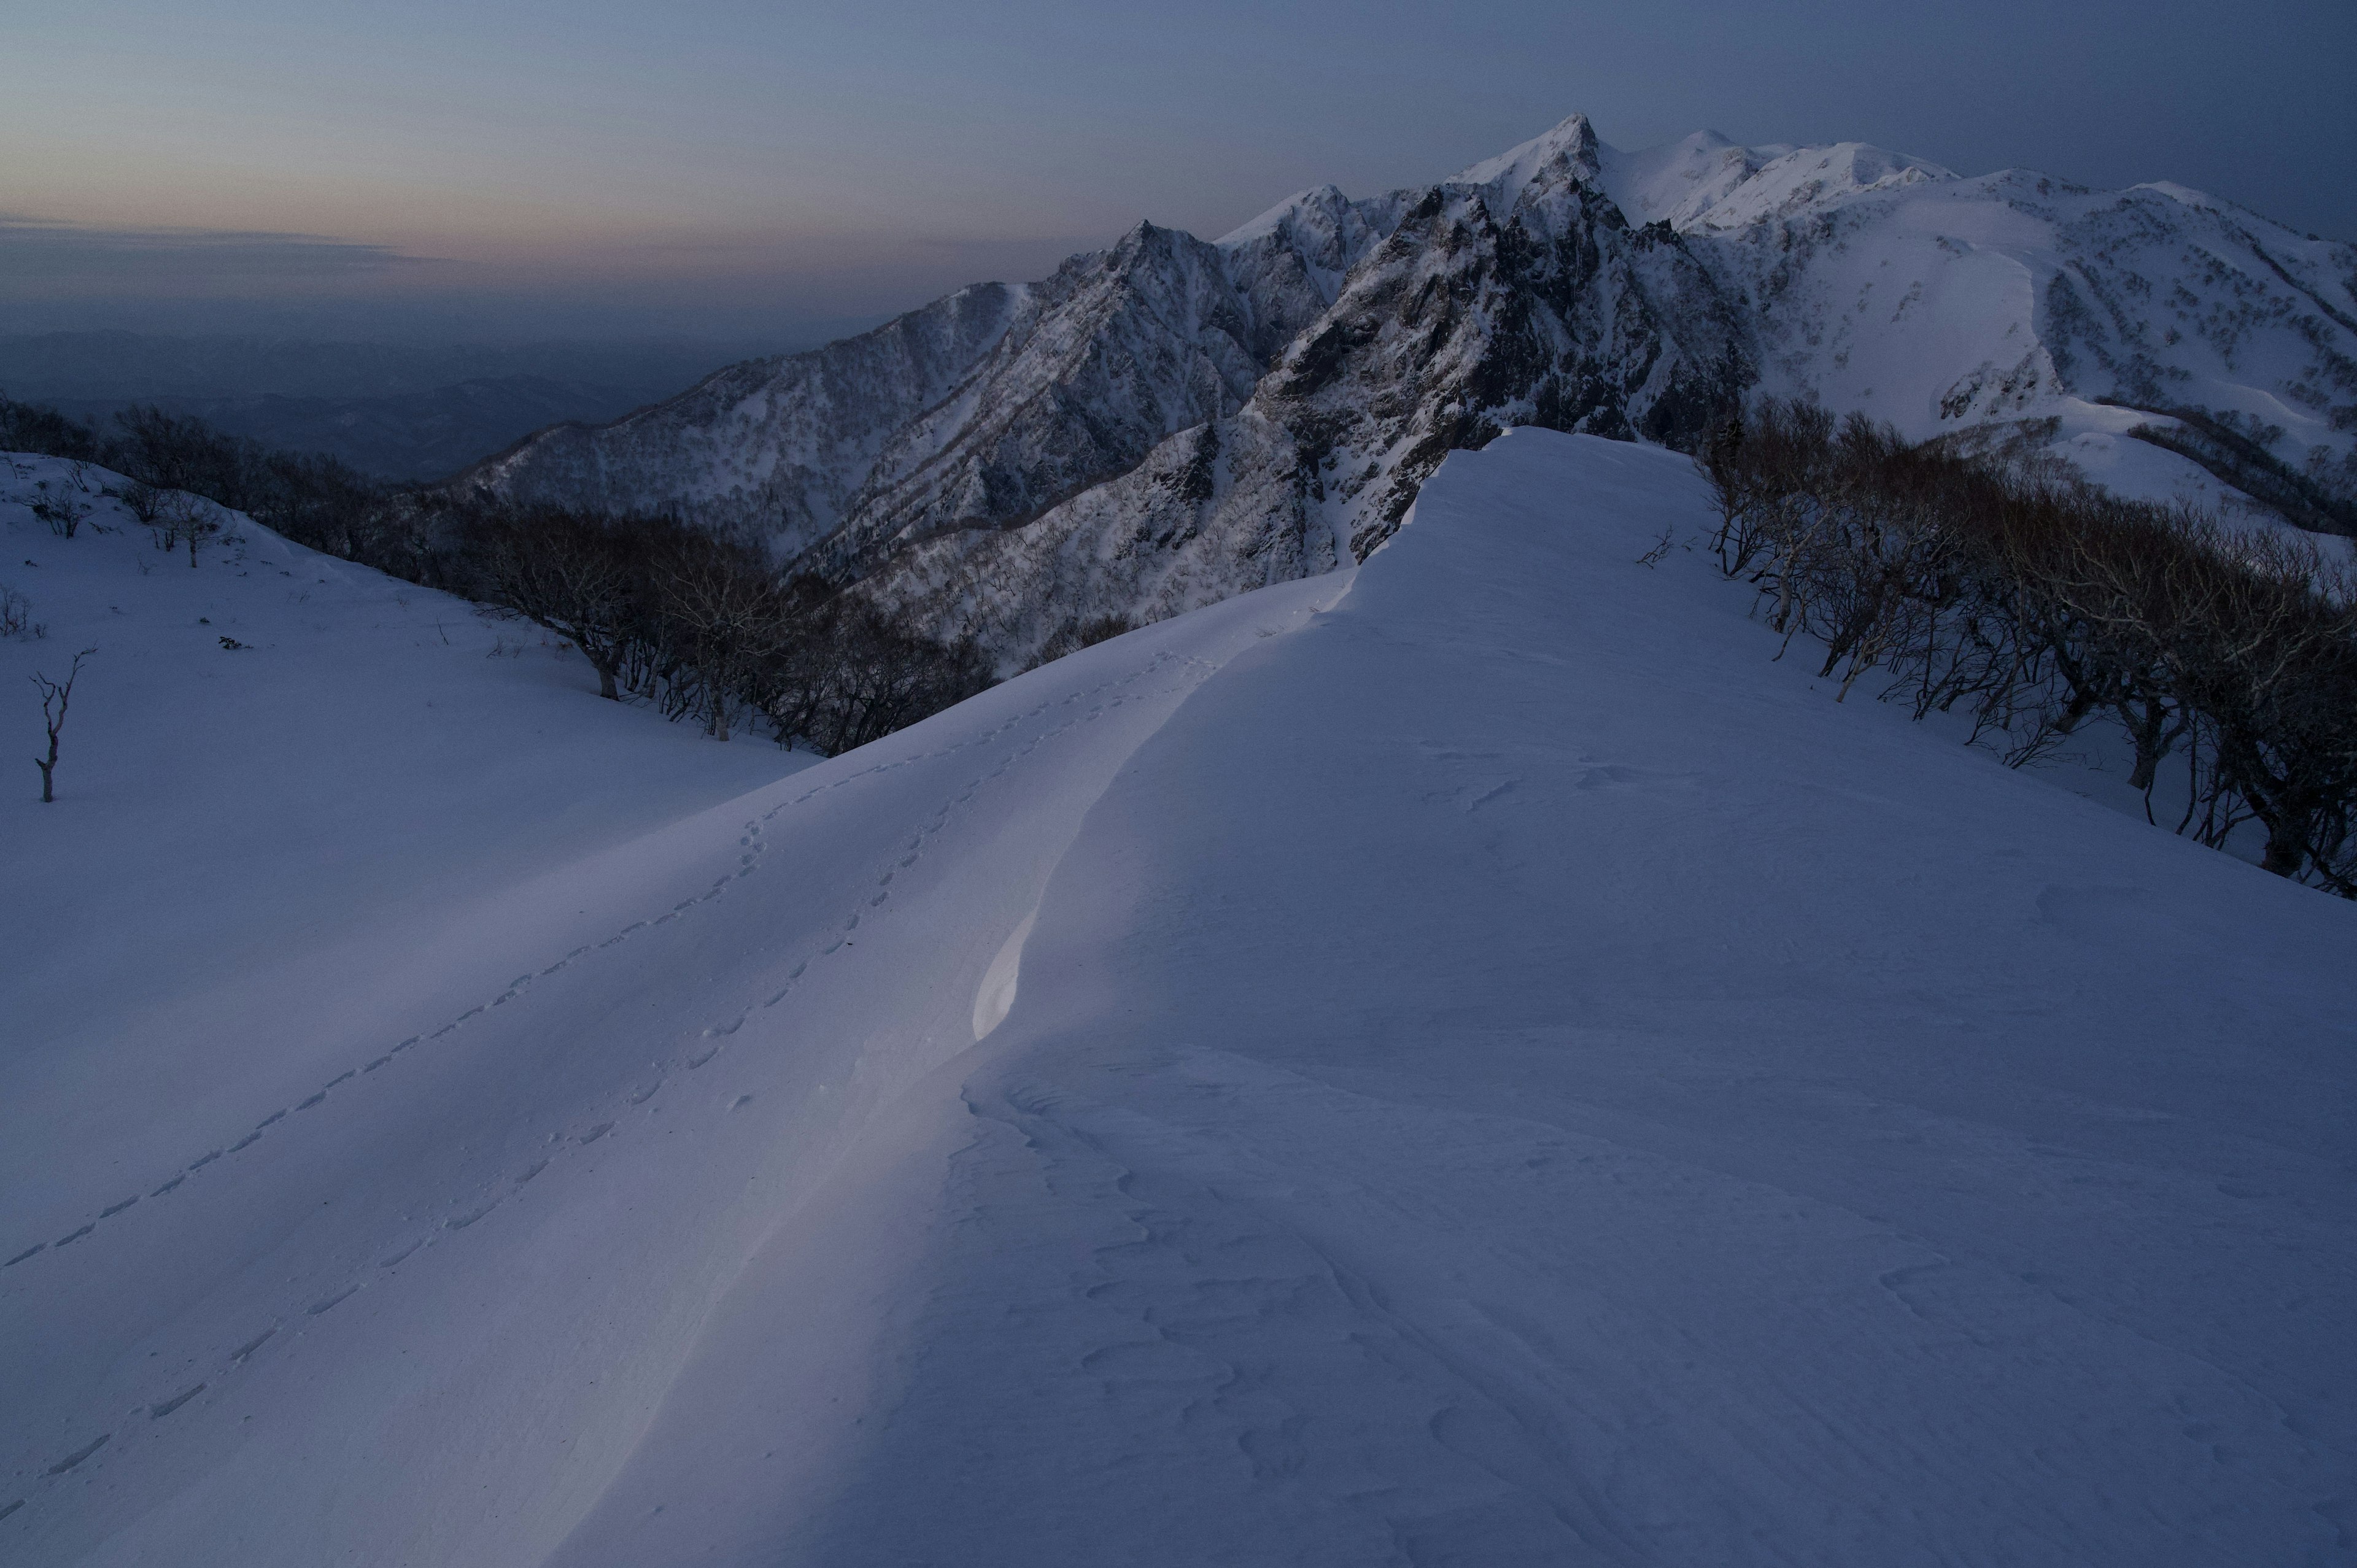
[1169,422]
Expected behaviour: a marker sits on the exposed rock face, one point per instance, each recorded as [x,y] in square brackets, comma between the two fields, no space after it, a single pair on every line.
[1169,421]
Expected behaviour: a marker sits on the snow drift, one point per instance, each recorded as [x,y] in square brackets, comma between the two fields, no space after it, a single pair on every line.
[1460,1059]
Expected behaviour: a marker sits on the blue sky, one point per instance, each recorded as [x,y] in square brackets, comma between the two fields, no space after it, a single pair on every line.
[730,169]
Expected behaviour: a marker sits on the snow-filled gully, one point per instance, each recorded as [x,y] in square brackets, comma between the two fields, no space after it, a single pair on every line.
[1145,675]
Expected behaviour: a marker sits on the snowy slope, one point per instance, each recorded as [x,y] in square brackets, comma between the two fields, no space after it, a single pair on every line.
[1463,1058]
[1939,303]
[375,759]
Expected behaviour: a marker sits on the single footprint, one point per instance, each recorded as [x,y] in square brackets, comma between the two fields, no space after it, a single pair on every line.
[79,1454]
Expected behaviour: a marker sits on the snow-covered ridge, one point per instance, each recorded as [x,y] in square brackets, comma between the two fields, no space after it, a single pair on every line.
[1464,1058]
[1170,421]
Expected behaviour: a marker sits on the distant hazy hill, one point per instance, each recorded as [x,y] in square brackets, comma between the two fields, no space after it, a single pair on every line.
[407,435]
[399,411]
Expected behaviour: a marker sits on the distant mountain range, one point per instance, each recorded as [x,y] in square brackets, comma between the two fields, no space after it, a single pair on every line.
[1170,421]
[396,411]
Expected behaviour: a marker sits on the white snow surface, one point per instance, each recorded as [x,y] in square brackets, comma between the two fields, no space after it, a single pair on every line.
[1461,1059]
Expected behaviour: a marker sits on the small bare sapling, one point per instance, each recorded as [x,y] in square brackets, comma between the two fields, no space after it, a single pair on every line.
[55,697]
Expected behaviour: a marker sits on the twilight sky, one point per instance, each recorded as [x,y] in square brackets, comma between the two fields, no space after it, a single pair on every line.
[504,169]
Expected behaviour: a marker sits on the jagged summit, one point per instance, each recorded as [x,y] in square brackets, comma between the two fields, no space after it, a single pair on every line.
[1322,199]
[1168,421]
[1573,143]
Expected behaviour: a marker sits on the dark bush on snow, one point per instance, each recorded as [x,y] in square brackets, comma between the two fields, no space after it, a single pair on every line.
[705,628]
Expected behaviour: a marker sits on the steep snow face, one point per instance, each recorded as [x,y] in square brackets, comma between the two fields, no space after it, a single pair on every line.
[776,448]
[1118,350]
[1292,260]
[1524,300]
[1477,1062]
[981,411]
[1167,421]
[1940,302]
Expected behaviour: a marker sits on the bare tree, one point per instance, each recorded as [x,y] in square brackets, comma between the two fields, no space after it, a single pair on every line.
[55,697]
[2039,603]
[176,518]
[198,524]
[724,617]
[577,575]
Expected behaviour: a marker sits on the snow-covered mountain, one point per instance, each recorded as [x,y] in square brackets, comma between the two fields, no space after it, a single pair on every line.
[1465,1059]
[1169,422]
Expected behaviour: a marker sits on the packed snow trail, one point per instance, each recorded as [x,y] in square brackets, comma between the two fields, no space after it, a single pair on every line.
[1475,1064]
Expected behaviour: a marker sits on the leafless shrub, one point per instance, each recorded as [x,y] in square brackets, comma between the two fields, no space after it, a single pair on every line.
[64,514]
[143,500]
[1077,633]
[17,616]
[703,627]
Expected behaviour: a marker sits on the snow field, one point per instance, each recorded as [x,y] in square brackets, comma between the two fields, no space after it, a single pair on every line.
[1465,1061]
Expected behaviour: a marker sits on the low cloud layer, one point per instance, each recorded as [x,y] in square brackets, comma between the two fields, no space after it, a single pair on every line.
[42,259]
[772,288]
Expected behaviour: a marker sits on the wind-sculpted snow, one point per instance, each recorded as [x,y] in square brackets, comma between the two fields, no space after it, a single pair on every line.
[1167,421]
[1468,1058]
[254,1199]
